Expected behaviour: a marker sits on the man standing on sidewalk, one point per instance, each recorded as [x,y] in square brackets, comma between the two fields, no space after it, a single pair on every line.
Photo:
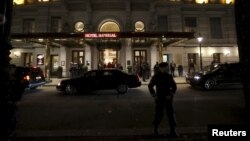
[165,90]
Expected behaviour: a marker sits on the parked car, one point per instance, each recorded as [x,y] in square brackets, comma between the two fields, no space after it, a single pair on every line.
[216,74]
[99,80]
[33,76]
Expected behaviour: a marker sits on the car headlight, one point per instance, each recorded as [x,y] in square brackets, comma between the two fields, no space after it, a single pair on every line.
[197,77]
[59,84]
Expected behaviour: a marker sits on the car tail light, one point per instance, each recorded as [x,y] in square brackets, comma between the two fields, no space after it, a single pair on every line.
[27,77]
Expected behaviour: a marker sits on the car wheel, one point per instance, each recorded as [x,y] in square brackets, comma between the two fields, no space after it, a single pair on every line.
[209,84]
[70,90]
[122,88]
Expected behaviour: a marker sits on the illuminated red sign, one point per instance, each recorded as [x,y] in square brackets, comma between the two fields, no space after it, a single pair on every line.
[100,35]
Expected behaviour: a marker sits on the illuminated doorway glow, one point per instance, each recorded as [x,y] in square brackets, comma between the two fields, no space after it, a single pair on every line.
[108,56]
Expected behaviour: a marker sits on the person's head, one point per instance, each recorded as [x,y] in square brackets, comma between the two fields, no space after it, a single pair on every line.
[163,67]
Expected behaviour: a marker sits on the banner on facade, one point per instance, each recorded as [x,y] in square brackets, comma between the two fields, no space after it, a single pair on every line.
[100,35]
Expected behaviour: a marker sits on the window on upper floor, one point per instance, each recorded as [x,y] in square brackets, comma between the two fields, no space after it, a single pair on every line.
[215,28]
[228,1]
[217,57]
[29,25]
[162,21]
[190,24]
[78,57]
[21,2]
[201,1]
[56,24]
[139,26]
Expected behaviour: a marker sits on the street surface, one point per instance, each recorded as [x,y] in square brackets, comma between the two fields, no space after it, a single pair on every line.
[46,112]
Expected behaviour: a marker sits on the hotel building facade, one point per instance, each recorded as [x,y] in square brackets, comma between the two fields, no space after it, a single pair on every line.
[99,23]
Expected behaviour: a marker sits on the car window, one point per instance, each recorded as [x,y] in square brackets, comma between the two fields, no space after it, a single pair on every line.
[211,68]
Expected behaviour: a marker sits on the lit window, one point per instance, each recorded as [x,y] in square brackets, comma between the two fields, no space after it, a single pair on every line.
[109,26]
[18,2]
[190,24]
[139,26]
[201,1]
[229,1]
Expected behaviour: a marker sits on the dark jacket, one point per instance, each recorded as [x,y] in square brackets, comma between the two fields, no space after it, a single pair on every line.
[165,85]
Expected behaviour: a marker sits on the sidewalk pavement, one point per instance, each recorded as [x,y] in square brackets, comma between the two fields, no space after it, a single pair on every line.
[55,81]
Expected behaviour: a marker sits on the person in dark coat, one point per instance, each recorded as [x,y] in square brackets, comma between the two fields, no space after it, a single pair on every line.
[172,68]
[16,86]
[156,68]
[164,93]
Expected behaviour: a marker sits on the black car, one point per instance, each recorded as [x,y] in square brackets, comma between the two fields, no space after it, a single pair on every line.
[216,74]
[99,80]
[32,76]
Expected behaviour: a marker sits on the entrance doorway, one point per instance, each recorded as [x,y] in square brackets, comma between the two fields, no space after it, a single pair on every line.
[54,65]
[140,56]
[108,58]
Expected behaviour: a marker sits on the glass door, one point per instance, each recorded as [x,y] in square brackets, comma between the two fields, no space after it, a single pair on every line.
[54,65]
[108,58]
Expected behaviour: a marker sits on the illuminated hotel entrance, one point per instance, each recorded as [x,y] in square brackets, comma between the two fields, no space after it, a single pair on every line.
[109,57]
[109,50]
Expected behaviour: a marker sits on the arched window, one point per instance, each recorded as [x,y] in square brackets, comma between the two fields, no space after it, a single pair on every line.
[139,26]
[109,26]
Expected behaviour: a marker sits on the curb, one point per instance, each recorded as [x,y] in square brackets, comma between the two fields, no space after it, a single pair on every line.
[54,85]
[54,82]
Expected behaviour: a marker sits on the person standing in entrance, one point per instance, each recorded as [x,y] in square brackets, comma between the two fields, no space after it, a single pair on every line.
[165,90]
[172,68]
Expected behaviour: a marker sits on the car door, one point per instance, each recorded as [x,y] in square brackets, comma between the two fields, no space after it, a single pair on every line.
[223,74]
[92,80]
[108,79]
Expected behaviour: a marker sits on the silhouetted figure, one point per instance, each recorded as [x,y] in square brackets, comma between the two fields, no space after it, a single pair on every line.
[172,68]
[156,68]
[164,93]
[180,70]
[191,67]
[16,86]
[144,70]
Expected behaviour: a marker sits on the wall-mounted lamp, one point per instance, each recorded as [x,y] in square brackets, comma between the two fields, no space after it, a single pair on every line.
[16,53]
[227,53]
[200,39]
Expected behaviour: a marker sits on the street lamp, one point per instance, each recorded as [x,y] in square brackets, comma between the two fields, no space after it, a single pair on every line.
[199,39]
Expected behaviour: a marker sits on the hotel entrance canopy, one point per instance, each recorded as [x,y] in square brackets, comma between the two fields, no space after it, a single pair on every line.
[188,35]
[69,38]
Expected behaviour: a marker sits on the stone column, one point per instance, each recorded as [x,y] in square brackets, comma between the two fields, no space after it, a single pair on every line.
[88,54]
[153,55]
[63,61]
[128,52]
